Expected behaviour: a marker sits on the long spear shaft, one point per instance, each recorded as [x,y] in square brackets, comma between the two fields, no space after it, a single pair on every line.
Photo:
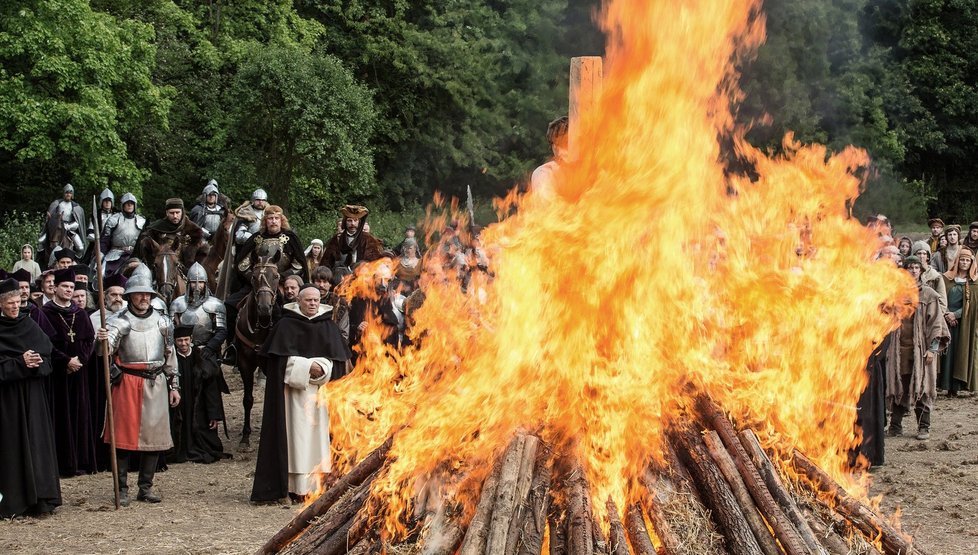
[109,415]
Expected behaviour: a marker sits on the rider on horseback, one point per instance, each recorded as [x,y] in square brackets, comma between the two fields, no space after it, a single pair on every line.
[210,210]
[119,235]
[64,217]
[184,237]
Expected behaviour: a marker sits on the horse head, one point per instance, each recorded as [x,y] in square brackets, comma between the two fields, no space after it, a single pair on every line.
[264,285]
[166,271]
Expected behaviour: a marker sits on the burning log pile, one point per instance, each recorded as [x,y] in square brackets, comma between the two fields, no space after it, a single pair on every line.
[718,491]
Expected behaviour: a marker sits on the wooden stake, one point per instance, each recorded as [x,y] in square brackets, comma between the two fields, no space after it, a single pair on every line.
[638,534]
[580,534]
[478,531]
[505,503]
[778,491]
[784,531]
[726,465]
[870,524]
[521,506]
[535,523]
[716,493]
[617,542]
[354,478]
[586,73]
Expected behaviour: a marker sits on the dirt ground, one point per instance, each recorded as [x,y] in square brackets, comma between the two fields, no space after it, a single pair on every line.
[205,508]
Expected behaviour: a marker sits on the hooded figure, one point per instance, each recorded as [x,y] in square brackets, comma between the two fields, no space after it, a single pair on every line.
[958,367]
[119,235]
[930,277]
[67,217]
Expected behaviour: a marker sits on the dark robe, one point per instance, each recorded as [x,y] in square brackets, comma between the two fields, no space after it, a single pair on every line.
[293,335]
[871,407]
[39,318]
[28,458]
[70,403]
[200,402]
[185,237]
[337,252]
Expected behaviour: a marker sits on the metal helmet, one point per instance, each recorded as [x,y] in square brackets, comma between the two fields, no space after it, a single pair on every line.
[259,194]
[106,194]
[211,187]
[129,197]
[68,189]
[141,281]
[197,273]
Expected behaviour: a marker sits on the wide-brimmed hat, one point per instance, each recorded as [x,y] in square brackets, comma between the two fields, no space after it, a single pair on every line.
[354,211]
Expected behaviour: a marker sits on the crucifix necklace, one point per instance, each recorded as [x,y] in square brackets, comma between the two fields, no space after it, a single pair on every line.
[71,331]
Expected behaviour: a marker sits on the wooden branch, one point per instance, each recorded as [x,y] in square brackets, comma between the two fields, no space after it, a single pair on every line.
[521,506]
[833,541]
[444,536]
[713,487]
[580,533]
[784,531]
[329,535]
[355,477]
[726,465]
[617,541]
[557,522]
[638,534]
[478,530]
[778,490]
[535,523]
[867,521]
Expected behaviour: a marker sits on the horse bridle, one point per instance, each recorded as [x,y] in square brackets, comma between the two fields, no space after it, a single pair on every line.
[263,287]
[168,287]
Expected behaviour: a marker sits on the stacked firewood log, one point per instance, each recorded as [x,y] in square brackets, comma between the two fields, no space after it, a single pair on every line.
[718,492]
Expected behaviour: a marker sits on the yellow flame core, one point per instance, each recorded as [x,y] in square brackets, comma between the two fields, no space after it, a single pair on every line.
[650,274]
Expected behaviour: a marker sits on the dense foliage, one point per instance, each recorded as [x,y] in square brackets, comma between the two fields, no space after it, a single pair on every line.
[383,102]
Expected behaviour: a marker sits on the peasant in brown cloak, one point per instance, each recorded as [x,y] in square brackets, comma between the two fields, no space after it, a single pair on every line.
[929,331]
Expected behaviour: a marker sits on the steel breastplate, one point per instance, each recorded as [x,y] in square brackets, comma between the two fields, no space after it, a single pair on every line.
[212,219]
[66,211]
[125,233]
[202,323]
[146,342]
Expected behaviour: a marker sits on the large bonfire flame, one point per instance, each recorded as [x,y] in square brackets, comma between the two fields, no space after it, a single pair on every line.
[655,275]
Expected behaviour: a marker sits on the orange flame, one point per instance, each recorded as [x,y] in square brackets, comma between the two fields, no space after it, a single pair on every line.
[653,270]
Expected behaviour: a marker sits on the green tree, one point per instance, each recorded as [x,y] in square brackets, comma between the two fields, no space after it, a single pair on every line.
[74,85]
[299,125]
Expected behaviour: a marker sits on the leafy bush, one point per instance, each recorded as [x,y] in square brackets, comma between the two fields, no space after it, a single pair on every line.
[19,228]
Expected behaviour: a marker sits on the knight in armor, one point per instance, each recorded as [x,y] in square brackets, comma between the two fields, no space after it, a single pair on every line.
[353,243]
[106,202]
[204,313]
[210,210]
[249,216]
[119,234]
[145,383]
[64,215]
[184,237]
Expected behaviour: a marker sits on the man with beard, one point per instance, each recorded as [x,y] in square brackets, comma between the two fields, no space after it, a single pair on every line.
[936,226]
[194,422]
[274,236]
[290,289]
[353,244]
[106,208]
[115,303]
[29,307]
[28,458]
[73,341]
[119,235]
[65,214]
[971,239]
[911,363]
[184,237]
[210,210]
[304,350]
[147,383]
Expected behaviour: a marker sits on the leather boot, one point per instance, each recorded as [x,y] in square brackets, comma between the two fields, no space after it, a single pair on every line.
[147,469]
[896,422]
[122,461]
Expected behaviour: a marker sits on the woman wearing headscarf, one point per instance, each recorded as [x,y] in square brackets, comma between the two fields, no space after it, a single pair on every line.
[958,367]
[27,262]
[314,256]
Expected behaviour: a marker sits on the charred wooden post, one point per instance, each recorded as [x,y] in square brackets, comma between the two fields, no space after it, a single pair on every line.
[354,478]
[729,471]
[638,533]
[557,524]
[617,541]
[716,493]
[784,531]
[478,531]
[869,524]
[535,524]
[330,535]
[779,492]
[580,531]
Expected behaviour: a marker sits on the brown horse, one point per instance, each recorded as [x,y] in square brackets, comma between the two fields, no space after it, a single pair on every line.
[255,320]
[218,248]
[167,272]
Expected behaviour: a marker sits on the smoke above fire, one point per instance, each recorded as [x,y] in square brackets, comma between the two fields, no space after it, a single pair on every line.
[653,275]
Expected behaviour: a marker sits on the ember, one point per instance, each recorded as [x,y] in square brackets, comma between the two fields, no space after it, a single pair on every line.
[571,402]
